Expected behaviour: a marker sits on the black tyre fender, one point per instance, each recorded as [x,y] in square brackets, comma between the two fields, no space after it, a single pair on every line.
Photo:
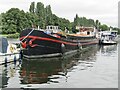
[63,49]
[79,46]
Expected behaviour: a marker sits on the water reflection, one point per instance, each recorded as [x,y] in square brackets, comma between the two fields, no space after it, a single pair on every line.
[108,48]
[49,70]
[38,71]
[9,72]
[57,70]
[4,78]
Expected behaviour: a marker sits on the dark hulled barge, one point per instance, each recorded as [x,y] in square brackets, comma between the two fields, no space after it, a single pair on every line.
[49,43]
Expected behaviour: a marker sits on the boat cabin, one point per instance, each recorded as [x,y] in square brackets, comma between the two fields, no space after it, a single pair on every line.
[107,34]
[87,31]
[52,29]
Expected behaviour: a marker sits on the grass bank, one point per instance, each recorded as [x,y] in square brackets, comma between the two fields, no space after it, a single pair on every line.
[16,35]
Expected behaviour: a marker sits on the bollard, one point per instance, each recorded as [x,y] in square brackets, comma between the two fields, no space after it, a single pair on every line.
[20,55]
[20,60]
[5,60]
[14,59]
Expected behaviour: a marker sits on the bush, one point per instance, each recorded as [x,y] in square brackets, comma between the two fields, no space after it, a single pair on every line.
[16,35]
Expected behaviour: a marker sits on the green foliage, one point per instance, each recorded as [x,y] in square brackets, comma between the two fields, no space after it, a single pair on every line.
[104,27]
[117,29]
[83,21]
[46,17]
[55,20]
[32,7]
[76,22]
[15,20]
[97,24]
[31,20]
[40,12]
[0,23]
[13,35]
[63,23]
[49,17]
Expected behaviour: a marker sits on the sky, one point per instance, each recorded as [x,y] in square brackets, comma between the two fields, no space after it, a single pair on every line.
[106,11]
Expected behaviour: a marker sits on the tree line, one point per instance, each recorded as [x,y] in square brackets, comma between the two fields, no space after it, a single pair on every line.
[15,20]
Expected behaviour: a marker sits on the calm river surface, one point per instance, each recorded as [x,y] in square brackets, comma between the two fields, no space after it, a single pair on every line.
[95,68]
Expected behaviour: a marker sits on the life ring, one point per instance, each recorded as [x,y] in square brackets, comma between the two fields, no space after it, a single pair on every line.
[24,44]
[11,48]
[31,43]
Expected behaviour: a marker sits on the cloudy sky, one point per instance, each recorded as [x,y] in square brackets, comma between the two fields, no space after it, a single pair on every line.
[106,11]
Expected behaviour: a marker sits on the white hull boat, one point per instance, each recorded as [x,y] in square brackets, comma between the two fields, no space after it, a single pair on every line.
[8,52]
[108,37]
[108,42]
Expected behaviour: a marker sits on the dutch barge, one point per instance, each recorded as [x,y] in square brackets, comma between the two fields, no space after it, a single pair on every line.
[49,43]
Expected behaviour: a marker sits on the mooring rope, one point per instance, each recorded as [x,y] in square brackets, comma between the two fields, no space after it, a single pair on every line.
[24,39]
[27,35]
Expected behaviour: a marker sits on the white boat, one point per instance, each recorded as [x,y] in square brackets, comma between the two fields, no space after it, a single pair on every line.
[108,42]
[8,52]
[108,37]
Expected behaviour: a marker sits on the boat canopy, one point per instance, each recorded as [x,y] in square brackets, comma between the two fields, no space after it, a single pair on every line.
[108,32]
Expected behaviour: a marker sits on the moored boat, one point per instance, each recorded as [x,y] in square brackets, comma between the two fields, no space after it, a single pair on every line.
[85,35]
[48,43]
[108,37]
[8,51]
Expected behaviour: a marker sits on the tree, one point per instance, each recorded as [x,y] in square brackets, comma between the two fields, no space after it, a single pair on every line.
[55,20]
[97,24]
[76,21]
[10,21]
[40,12]
[91,23]
[0,23]
[116,29]
[49,16]
[104,27]
[32,7]
[31,19]
[15,20]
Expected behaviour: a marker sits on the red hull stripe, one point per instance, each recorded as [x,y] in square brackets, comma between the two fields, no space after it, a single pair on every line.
[48,39]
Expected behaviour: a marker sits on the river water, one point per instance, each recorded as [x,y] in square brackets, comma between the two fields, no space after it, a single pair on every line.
[95,68]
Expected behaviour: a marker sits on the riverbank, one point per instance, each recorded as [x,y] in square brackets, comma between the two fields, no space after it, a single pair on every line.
[14,36]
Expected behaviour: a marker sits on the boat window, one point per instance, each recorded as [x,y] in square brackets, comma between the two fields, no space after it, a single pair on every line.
[88,33]
[50,27]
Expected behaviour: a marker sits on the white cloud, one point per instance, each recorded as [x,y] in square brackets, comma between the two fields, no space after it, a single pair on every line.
[103,10]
